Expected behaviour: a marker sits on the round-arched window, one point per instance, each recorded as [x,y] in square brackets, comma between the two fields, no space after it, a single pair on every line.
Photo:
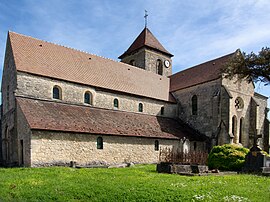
[116,103]
[57,93]
[140,107]
[88,97]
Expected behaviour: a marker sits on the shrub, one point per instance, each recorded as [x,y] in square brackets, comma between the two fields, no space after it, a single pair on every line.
[227,157]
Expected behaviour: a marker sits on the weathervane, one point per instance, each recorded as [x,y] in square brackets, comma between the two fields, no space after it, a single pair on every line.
[145,16]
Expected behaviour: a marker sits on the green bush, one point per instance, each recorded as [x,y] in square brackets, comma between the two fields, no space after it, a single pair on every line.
[227,157]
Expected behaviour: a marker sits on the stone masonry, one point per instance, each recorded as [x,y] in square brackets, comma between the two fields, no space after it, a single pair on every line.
[147,59]
[51,148]
[41,88]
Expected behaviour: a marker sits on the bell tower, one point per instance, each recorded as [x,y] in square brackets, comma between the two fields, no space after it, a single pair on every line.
[147,53]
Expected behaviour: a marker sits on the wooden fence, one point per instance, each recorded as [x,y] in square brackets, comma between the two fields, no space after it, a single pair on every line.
[170,155]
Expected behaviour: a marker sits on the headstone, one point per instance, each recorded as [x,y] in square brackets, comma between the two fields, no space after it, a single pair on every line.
[256,161]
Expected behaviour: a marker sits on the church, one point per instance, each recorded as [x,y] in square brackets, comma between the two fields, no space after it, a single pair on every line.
[61,105]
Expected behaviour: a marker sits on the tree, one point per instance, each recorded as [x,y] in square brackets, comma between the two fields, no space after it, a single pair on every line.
[252,67]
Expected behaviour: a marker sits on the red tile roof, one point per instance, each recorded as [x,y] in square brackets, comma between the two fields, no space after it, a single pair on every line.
[198,74]
[145,39]
[47,59]
[47,115]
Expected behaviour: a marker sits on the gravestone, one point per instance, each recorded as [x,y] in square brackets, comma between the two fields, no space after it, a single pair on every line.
[256,161]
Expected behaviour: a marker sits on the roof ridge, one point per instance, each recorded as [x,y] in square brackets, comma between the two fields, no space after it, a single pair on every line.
[53,43]
[64,46]
[76,66]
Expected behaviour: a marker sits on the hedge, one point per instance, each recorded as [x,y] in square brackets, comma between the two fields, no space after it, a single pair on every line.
[227,157]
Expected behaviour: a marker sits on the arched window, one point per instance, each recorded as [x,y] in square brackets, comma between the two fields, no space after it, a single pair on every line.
[194,146]
[132,62]
[99,143]
[241,128]
[140,107]
[159,67]
[88,97]
[156,145]
[234,129]
[194,101]
[162,111]
[116,103]
[57,94]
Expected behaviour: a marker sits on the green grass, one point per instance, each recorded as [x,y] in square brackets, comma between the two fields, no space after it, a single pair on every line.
[139,183]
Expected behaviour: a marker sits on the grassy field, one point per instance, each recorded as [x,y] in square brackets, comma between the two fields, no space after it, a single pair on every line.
[139,183]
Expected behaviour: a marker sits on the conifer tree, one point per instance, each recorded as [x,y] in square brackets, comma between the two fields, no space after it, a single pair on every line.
[252,67]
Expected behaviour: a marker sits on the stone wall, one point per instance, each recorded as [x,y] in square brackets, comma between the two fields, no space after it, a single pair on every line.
[223,134]
[23,140]
[207,119]
[147,59]
[244,91]
[261,121]
[8,127]
[151,58]
[138,57]
[50,148]
[218,103]
[41,88]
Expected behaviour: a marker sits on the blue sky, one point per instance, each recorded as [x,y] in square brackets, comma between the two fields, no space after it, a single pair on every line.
[194,31]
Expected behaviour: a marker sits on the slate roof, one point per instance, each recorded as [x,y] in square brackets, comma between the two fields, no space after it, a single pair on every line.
[145,39]
[198,74]
[47,59]
[48,115]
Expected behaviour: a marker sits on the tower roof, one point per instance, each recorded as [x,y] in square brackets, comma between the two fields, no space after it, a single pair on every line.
[145,39]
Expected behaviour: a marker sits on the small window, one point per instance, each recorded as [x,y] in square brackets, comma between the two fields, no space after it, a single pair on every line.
[194,146]
[132,62]
[57,92]
[194,101]
[156,145]
[162,110]
[241,128]
[99,143]
[140,107]
[116,103]
[159,67]
[88,97]
[234,129]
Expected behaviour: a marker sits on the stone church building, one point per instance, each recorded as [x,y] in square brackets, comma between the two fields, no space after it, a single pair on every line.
[60,105]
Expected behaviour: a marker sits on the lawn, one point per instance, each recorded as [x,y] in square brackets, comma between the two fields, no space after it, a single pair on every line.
[139,183]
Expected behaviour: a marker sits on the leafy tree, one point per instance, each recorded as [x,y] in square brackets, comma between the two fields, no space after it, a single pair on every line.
[252,67]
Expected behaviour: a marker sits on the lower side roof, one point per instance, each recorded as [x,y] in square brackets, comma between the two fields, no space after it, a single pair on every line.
[56,116]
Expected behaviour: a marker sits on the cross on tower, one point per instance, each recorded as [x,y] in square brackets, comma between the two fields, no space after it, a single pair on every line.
[145,16]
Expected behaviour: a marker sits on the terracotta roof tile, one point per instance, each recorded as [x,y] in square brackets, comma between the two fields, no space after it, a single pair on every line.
[46,115]
[198,74]
[47,59]
[145,38]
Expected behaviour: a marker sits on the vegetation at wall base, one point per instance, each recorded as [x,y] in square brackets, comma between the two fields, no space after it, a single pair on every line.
[139,183]
[227,157]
